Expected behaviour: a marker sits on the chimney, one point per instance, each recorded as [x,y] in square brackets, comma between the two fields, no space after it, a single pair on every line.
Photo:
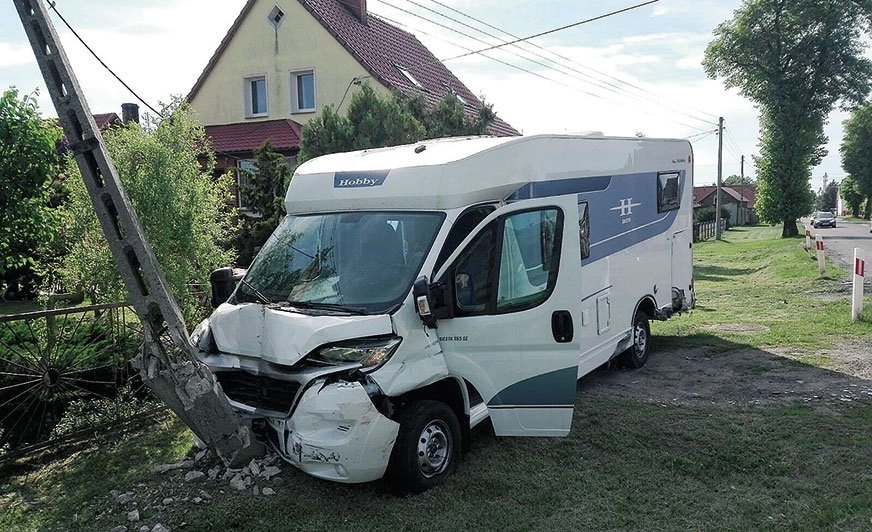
[129,113]
[357,8]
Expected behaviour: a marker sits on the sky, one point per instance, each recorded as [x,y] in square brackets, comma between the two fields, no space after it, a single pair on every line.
[634,72]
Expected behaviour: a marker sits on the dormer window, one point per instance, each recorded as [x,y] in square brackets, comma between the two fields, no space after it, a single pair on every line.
[255,96]
[276,16]
[410,77]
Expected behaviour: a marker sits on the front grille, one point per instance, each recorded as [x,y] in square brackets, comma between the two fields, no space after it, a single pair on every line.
[258,391]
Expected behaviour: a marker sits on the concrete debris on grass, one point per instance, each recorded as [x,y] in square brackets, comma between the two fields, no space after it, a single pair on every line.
[147,506]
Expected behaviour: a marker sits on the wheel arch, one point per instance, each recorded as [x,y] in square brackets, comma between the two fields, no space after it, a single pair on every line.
[646,305]
[453,392]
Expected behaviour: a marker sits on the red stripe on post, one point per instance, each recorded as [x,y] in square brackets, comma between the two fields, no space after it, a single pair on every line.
[860,267]
[820,245]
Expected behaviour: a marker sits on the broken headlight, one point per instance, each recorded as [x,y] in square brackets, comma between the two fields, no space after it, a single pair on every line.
[369,353]
[202,336]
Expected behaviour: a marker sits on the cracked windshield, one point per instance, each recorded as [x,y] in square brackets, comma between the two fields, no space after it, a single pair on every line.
[361,261]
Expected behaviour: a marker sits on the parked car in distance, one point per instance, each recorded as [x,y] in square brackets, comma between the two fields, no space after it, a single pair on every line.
[824,219]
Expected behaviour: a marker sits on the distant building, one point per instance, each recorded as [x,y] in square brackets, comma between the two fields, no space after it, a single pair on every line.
[738,199]
[282,61]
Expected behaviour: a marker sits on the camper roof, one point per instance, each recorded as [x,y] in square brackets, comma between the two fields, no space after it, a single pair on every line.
[452,173]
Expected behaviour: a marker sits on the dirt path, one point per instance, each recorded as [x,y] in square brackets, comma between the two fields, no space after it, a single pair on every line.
[741,376]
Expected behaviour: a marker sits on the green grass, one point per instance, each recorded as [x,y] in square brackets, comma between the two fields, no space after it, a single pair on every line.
[627,464]
[754,277]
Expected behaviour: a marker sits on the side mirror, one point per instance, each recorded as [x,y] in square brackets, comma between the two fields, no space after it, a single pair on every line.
[421,293]
[223,281]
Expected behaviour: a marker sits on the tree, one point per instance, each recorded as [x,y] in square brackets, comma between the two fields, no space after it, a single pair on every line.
[739,180]
[181,208]
[265,195]
[30,160]
[856,150]
[852,195]
[828,199]
[796,59]
[374,121]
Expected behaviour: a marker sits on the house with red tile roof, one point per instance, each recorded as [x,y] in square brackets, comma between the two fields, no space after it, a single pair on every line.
[738,199]
[282,61]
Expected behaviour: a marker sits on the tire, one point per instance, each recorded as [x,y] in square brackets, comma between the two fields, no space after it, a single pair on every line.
[427,448]
[636,356]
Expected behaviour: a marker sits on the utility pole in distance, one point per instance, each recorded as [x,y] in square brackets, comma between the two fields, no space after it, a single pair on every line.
[720,175]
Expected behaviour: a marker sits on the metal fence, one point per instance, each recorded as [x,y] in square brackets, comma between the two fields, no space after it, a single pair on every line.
[65,376]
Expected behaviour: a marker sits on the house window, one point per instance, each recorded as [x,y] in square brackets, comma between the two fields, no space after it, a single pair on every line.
[244,169]
[667,191]
[276,16]
[303,91]
[410,77]
[255,96]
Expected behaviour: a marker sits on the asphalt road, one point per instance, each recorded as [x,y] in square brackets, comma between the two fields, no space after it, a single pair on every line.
[842,239]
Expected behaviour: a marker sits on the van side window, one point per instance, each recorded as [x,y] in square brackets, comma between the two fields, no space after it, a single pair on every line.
[667,191]
[464,224]
[473,272]
[584,230]
[529,259]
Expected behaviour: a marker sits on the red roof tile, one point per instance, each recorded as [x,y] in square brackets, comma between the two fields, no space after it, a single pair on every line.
[104,120]
[380,48]
[248,136]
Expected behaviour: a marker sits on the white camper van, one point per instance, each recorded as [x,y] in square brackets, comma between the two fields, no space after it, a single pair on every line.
[414,292]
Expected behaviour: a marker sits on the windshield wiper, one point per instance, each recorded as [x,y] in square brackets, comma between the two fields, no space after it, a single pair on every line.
[325,306]
[261,298]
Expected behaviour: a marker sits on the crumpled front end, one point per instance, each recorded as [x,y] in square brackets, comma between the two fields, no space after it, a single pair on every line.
[336,433]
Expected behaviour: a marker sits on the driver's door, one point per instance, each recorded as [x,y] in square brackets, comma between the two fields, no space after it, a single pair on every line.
[513,287]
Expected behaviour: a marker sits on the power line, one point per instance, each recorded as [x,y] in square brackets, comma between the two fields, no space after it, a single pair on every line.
[682,107]
[586,77]
[702,135]
[506,63]
[126,86]
[554,30]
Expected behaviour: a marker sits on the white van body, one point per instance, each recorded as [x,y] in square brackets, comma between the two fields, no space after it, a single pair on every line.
[546,256]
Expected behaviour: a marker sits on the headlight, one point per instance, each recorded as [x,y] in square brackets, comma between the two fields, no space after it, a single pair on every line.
[201,335]
[369,353]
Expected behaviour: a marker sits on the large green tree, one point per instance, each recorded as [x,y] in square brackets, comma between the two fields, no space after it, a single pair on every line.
[375,121]
[181,208]
[796,59]
[850,192]
[856,150]
[29,162]
[828,199]
[264,194]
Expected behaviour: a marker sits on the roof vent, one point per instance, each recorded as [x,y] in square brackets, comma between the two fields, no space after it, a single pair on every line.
[276,16]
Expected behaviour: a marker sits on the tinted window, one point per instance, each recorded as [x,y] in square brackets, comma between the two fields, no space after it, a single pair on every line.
[667,191]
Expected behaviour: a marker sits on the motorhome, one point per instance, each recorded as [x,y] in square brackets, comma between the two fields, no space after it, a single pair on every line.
[414,292]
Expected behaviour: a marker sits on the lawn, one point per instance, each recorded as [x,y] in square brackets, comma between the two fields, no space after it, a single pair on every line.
[628,464]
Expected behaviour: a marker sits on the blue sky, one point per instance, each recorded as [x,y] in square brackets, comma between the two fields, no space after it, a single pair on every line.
[638,71]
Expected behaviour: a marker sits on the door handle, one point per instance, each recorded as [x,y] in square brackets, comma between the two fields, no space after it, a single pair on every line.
[561,326]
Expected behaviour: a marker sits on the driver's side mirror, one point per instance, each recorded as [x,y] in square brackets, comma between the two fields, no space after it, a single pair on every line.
[421,293]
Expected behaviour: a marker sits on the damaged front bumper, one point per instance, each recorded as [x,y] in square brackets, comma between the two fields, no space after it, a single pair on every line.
[336,433]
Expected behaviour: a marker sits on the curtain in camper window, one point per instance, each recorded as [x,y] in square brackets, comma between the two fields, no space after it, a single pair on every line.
[528,263]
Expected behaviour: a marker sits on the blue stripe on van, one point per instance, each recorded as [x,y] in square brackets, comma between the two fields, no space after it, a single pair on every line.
[622,208]
[552,389]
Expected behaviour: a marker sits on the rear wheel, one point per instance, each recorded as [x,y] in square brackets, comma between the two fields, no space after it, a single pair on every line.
[427,447]
[636,356]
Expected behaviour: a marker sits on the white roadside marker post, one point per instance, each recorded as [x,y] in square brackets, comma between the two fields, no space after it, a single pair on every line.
[807,238]
[859,275]
[819,244]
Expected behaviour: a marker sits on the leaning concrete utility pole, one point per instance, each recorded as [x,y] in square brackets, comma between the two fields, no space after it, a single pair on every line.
[170,370]
[720,175]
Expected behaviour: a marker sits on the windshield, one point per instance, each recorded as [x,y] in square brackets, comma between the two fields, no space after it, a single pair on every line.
[365,261]
[825,215]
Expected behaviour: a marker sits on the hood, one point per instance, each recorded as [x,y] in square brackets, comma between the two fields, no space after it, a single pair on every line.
[283,336]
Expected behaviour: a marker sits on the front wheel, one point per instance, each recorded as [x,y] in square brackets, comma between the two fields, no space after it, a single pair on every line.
[427,447]
[636,356]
